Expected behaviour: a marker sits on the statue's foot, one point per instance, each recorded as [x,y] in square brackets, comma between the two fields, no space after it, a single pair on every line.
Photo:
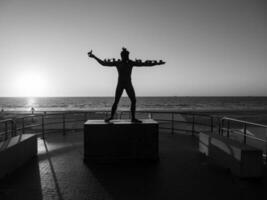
[134,120]
[108,119]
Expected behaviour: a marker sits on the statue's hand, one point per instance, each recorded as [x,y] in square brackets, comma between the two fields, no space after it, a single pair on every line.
[90,54]
[161,62]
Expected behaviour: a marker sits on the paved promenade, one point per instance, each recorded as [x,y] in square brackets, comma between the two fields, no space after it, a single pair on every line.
[59,173]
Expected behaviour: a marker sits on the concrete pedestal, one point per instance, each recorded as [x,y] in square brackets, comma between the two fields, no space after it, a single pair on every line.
[16,151]
[243,160]
[120,140]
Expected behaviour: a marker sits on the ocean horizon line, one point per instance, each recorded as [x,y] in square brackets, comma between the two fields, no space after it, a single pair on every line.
[143,103]
[170,96]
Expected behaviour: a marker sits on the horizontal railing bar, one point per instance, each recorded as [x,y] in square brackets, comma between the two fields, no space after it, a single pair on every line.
[200,124]
[81,120]
[51,123]
[174,112]
[165,128]
[50,116]
[163,120]
[244,122]
[29,116]
[30,126]
[238,132]
[6,120]
[186,130]
[8,131]
[175,129]
[170,112]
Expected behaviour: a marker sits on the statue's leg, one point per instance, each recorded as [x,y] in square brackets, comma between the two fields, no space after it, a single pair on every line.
[118,94]
[131,95]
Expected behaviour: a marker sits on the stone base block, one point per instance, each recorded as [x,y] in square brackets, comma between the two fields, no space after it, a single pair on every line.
[120,140]
[16,151]
[243,160]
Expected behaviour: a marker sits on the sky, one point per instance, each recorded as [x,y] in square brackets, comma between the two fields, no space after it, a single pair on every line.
[211,47]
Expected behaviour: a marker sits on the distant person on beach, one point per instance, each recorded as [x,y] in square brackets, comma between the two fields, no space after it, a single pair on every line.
[32,109]
[124,68]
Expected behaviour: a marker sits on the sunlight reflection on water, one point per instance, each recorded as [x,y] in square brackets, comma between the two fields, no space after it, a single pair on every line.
[30,102]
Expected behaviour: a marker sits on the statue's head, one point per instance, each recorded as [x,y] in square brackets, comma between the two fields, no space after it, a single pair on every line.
[124,54]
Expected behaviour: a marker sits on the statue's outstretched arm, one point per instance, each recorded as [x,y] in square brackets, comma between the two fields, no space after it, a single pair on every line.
[148,63]
[101,62]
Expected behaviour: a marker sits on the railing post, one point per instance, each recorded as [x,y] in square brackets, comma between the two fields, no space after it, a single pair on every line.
[222,129]
[14,129]
[172,123]
[85,116]
[23,126]
[6,130]
[211,124]
[219,130]
[149,115]
[193,125]
[228,128]
[43,128]
[245,133]
[265,147]
[64,125]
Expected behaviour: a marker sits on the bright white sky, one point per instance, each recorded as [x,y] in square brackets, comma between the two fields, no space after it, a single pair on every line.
[212,47]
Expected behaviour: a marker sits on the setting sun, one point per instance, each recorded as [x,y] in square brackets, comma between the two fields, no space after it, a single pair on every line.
[31,84]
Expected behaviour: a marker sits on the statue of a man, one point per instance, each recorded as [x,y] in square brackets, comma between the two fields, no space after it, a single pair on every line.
[124,68]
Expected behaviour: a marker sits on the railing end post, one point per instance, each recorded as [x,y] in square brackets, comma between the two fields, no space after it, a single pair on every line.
[172,123]
[193,124]
[64,125]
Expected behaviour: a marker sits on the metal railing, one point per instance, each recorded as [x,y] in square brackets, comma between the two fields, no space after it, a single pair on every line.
[173,122]
[43,122]
[244,124]
[245,132]
[7,129]
[189,122]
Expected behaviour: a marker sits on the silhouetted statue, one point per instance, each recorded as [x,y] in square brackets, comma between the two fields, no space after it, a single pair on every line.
[124,68]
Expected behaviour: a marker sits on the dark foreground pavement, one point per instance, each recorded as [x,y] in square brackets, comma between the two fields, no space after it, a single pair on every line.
[182,173]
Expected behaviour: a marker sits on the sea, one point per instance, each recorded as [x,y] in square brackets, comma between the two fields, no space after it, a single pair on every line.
[143,103]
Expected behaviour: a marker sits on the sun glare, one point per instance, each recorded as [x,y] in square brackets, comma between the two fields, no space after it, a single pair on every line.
[31,84]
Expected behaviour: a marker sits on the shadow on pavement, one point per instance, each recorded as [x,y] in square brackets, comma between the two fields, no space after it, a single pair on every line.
[25,183]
